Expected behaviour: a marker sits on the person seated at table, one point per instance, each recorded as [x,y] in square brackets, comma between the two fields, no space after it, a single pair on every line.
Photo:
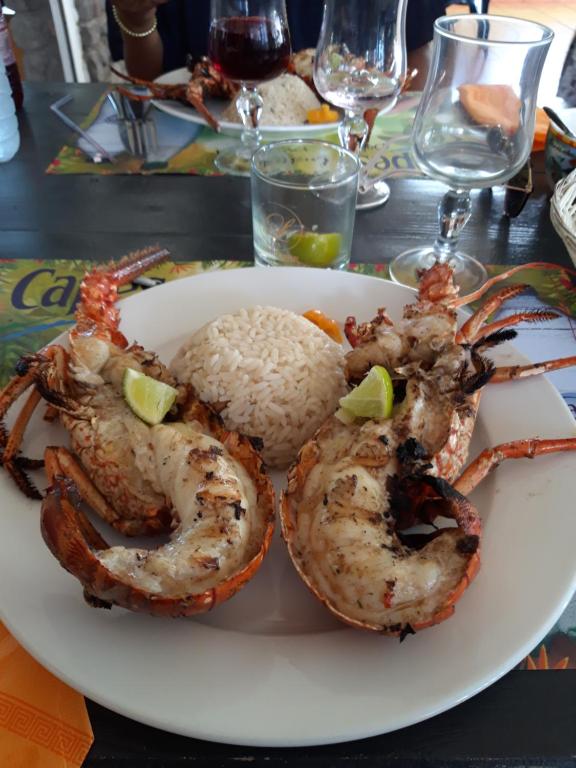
[182,30]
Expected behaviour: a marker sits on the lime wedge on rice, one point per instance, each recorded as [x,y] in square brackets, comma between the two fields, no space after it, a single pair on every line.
[149,399]
[373,398]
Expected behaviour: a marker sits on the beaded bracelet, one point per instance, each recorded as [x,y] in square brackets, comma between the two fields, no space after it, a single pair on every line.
[129,32]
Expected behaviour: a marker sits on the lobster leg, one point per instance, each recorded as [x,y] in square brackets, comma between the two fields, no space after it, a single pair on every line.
[134,96]
[51,413]
[67,531]
[519,449]
[200,107]
[29,368]
[14,464]
[471,327]
[60,462]
[181,92]
[15,436]
[11,392]
[506,322]
[176,92]
[511,372]
[463,300]
[55,462]
[10,441]
[129,78]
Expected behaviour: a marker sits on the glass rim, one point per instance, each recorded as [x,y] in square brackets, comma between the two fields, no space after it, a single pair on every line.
[308,142]
[547,33]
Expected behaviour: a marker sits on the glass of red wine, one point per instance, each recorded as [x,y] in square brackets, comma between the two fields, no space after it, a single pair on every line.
[248,43]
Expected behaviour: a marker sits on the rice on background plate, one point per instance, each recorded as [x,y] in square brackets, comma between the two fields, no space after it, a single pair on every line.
[278,375]
[287,101]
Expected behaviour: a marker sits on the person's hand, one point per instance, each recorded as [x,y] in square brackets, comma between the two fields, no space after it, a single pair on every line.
[138,15]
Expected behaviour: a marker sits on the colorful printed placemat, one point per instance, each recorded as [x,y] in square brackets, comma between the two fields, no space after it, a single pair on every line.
[37,301]
[188,148]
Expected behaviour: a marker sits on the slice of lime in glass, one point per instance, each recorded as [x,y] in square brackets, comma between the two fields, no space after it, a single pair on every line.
[373,398]
[148,398]
[316,249]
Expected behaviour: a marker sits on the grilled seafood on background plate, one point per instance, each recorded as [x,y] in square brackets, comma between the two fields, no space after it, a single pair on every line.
[205,81]
[187,476]
[358,488]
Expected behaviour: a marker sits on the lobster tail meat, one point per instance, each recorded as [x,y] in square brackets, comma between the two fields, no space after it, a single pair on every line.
[350,497]
[225,507]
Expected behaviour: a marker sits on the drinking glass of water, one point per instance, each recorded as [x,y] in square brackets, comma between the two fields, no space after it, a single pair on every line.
[303,204]
[474,126]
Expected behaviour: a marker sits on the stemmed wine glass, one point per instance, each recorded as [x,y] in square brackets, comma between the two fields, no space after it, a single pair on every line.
[248,43]
[474,125]
[360,65]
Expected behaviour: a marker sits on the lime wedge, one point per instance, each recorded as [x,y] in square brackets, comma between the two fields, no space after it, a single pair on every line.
[149,399]
[345,416]
[373,398]
[316,249]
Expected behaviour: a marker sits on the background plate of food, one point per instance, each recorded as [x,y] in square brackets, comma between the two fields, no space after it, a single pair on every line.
[287,103]
[271,666]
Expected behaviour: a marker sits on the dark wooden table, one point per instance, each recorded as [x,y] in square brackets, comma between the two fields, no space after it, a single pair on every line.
[526,719]
[209,218]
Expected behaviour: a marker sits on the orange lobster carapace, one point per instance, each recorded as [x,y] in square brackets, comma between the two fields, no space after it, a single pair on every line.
[189,476]
[358,488]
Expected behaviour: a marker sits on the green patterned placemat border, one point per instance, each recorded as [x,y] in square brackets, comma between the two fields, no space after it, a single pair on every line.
[196,155]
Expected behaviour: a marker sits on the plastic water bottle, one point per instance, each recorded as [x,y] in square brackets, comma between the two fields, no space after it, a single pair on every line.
[7,54]
[9,132]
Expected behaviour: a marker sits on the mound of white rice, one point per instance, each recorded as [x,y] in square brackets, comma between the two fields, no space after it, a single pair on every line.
[278,375]
[287,101]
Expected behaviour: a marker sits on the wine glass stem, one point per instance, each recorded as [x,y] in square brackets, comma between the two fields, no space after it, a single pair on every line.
[453,213]
[249,105]
[353,131]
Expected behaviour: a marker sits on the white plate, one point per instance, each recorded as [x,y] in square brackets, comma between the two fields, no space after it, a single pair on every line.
[271,667]
[217,107]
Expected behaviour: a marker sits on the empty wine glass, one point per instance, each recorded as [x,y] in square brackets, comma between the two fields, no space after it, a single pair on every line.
[360,65]
[248,42]
[474,126]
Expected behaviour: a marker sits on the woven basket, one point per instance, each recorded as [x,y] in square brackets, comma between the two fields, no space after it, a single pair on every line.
[563,212]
